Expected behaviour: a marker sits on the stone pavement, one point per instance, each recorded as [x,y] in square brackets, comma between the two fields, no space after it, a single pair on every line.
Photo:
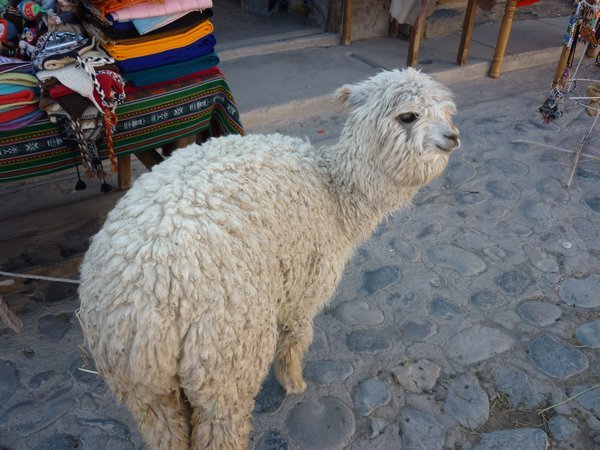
[453,327]
[470,320]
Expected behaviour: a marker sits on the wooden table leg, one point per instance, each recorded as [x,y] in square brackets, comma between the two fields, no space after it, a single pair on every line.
[124,175]
[416,32]
[467,30]
[149,158]
[560,67]
[503,35]
[347,23]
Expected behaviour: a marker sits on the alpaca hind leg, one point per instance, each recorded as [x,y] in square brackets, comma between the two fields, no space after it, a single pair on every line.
[294,340]
[164,420]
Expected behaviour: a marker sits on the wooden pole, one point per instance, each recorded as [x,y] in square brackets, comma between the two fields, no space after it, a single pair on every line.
[347,23]
[416,32]
[560,67]
[124,176]
[503,35]
[465,38]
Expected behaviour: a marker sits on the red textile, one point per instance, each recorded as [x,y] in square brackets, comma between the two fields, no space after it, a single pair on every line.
[59,90]
[129,88]
[24,95]
[15,113]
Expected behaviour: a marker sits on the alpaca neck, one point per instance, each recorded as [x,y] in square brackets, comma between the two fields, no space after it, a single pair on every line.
[364,196]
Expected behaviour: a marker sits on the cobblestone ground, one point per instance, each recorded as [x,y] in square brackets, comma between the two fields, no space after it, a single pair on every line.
[455,326]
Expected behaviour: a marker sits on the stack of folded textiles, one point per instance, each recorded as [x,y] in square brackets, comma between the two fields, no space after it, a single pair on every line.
[19,94]
[154,43]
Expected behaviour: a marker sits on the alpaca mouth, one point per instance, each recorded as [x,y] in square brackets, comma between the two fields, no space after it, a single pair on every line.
[446,150]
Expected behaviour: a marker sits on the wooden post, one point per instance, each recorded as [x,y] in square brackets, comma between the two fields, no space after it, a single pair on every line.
[124,175]
[503,35]
[560,67]
[416,32]
[465,38]
[149,158]
[347,23]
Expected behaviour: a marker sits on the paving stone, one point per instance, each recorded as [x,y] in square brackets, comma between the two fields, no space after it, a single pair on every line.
[469,198]
[271,395]
[520,391]
[419,376]
[59,441]
[443,308]
[112,427]
[593,203]
[486,300]
[376,426]
[517,438]
[584,293]
[588,334]
[326,372]
[272,440]
[41,378]
[323,423]
[376,280]
[362,341]
[27,418]
[404,249]
[562,429]
[590,399]
[503,190]
[420,430]
[52,327]
[556,358]
[535,211]
[513,281]
[370,394]
[95,383]
[507,166]
[455,258]
[319,342]
[478,343]
[467,402]
[552,189]
[418,330]
[512,229]
[541,260]
[538,312]
[58,292]
[9,380]
[358,313]
[429,230]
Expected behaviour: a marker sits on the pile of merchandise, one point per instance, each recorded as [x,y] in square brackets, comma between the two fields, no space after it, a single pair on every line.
[75,62]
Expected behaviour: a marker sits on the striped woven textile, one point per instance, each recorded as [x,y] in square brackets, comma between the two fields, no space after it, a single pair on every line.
[147,120]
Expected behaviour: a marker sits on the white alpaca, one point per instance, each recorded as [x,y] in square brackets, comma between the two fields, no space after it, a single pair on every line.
[215,263]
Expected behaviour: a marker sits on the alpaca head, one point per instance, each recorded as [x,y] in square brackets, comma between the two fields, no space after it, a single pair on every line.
[399,124]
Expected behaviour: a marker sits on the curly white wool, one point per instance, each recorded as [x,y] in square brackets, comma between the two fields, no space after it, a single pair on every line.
[215,263]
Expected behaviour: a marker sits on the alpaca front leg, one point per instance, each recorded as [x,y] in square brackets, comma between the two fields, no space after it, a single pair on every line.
[294,339]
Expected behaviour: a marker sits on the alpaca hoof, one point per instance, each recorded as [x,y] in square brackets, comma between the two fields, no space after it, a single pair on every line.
[293,388]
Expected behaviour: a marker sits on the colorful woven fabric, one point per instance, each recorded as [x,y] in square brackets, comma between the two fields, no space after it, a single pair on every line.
[21,122]
[201,47]
[147,120]
[20,79]
[171,71]
[149,45]
[155,9]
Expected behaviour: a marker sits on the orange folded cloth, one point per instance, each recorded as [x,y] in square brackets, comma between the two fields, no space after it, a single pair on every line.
[149,45]
[108,6]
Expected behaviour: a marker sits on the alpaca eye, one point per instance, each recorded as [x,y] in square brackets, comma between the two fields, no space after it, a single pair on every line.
[408,117]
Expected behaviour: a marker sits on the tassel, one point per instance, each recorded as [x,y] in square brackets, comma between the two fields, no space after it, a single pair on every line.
[105,187]
[80,186]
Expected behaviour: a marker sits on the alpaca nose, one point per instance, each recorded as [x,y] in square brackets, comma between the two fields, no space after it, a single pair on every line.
[453,137]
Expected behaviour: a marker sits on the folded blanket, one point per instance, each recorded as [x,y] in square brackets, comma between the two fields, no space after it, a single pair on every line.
[22,122]
[9,89]
[155,9]
[126,30]
[23,96]
[15,65]
[148,45]
[148,24]
[21,79]
[165,86]
[171,71]
[14,113]
[201,47]
[107,6]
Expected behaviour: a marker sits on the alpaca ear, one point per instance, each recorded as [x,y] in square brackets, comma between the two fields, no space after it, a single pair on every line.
[349,96]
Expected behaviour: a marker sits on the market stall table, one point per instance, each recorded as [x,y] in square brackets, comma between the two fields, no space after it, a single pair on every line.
[149,119]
